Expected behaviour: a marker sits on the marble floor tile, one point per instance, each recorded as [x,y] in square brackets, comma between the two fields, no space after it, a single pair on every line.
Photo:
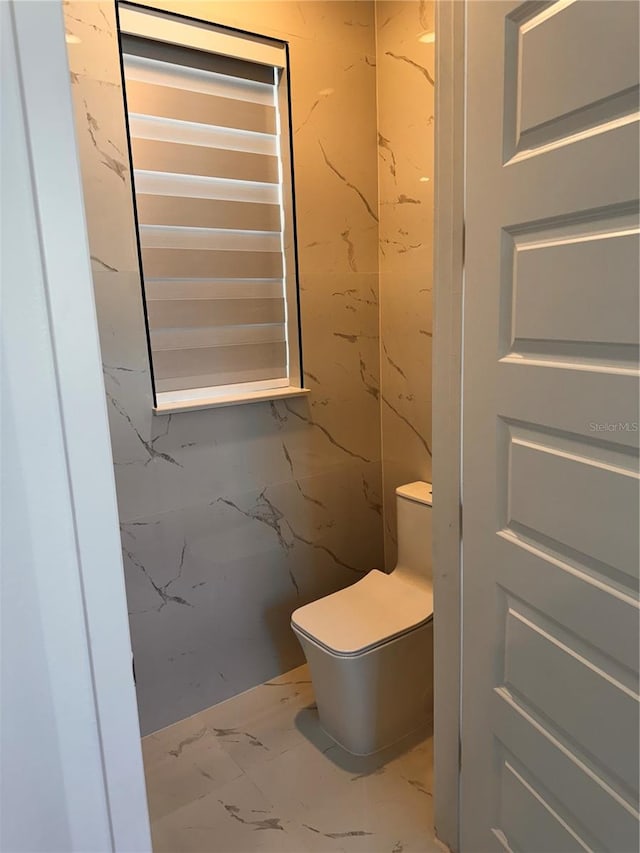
[234,818]
[268,721]
[184,776]
[257,773]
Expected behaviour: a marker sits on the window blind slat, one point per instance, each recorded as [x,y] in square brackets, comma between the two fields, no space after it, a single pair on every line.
[177,158]
[203,263]
[267,359]
[167,313]
[217,336]
[136,47]
[221,288]
[223,239]
[208,136]
[161,73]
[223,189]
[167,102]
[207,213]
[235,378]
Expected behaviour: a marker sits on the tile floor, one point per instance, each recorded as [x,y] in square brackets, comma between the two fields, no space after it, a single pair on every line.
[257,773]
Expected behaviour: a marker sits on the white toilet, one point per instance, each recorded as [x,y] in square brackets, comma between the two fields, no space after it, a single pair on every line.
[370,646]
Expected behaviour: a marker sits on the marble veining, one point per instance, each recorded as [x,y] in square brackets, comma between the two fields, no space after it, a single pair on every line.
[258,773]
[348,184]
[421,68]
[405,191]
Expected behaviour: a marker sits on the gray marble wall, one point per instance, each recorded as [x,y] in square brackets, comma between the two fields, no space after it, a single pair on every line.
[405,68]
[232,517]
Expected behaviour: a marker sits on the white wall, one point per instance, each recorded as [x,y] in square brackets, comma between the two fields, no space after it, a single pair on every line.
[67,692]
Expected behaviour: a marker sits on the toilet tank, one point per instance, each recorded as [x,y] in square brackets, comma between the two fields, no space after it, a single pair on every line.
[413,503]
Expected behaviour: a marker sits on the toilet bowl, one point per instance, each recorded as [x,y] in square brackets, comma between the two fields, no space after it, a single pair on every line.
[370,646]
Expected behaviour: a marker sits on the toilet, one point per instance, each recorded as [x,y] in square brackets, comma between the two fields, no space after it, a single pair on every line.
[370,646]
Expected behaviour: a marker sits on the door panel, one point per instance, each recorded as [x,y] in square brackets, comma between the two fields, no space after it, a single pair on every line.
[566,65]
[560,77]
[550,428]
[576,416]
[570,594]
[550,276]
[604,814]
[553,679]
[530,821]
[570,515]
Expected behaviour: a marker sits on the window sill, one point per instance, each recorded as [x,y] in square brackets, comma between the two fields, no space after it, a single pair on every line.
[235,399]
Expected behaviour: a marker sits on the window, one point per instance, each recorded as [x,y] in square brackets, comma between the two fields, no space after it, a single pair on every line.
[208,121]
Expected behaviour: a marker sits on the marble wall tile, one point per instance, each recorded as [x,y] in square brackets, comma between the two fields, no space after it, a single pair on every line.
[105,172]
[405,63]
[233,517]
[92,25]
[211,587]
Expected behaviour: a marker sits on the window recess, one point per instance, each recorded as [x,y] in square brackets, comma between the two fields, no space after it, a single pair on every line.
[209,130]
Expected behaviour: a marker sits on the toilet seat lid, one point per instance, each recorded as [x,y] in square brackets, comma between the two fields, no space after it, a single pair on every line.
[373,611]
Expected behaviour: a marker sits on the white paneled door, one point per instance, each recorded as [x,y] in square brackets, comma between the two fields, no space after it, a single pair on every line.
[550,428]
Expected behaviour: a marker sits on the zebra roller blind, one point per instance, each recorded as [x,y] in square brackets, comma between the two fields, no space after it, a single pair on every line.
[206,135]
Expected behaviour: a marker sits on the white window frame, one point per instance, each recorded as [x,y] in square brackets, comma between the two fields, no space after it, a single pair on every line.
[217,39]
